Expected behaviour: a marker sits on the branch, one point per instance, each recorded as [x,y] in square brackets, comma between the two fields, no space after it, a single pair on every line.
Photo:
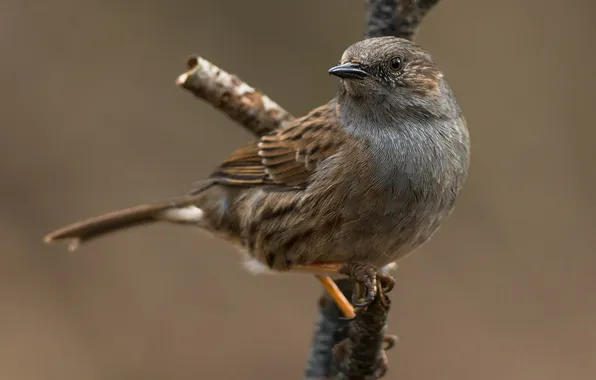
[400,18]
[242,103]
[349,350]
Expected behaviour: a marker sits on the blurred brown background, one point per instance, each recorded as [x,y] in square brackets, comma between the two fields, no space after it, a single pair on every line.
[91,120]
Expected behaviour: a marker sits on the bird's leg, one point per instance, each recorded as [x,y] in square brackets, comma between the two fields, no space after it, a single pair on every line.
[340,300]
[318,269]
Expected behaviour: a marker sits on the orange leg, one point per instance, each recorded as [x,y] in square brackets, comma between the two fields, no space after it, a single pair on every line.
[340,300]
[330,286]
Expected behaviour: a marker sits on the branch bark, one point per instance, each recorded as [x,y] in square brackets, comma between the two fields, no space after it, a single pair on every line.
[341,349]
[244,104]
[399,18]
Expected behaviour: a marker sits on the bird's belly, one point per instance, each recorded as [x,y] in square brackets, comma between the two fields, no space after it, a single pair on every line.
[381,238]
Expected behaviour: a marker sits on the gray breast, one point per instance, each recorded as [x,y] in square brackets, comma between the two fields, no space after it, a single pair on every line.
[419,171]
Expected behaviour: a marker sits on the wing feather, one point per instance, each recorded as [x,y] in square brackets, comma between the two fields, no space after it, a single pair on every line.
[287,156]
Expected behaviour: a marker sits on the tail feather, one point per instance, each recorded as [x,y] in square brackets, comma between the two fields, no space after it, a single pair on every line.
[182,212]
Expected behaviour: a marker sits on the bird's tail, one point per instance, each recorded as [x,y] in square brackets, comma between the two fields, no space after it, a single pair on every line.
[181,211]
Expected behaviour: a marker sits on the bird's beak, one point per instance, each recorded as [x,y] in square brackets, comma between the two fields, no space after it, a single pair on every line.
[348,70]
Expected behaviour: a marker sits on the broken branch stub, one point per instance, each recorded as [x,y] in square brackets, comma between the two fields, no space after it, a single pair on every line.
[244,104]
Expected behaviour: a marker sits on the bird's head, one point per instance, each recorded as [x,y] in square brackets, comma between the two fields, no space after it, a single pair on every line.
[387,68]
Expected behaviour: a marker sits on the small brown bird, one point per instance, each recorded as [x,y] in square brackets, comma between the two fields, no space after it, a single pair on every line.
[353,186]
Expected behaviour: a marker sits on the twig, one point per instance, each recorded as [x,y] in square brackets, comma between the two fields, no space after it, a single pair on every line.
[242,103]
[400,18]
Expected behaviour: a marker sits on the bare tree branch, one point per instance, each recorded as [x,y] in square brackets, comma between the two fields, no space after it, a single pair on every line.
[242,103]
[399,18]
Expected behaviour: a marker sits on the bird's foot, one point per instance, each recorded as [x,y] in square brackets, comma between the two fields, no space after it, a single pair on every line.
[368,282]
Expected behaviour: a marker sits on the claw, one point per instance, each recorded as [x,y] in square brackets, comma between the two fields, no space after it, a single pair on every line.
[386,282]
[390,341]
[363,295]
[363,302]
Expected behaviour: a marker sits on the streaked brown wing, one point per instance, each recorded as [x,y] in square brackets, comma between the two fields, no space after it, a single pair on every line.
[287,156]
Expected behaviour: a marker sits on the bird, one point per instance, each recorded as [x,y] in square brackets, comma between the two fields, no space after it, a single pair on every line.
[352,187]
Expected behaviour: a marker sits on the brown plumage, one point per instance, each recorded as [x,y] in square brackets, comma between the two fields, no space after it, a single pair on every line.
[288,156]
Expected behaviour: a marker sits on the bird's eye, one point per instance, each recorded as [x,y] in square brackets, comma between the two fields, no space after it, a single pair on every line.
[396,63]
